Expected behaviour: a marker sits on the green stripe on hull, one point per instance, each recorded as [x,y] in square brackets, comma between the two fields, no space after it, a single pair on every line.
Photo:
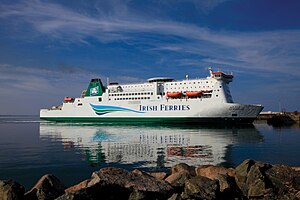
[131,120]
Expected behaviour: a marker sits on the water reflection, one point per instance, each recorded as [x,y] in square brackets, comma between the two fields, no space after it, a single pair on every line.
[149,146]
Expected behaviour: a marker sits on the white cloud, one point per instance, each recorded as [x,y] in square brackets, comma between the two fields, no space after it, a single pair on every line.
[276,51]
[59,80]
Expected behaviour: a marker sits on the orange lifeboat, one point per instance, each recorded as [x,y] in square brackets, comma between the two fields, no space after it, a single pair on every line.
[193,94]
[68,99]
[174,94]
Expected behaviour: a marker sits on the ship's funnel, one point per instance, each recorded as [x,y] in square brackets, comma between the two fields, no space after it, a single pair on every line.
[95,88]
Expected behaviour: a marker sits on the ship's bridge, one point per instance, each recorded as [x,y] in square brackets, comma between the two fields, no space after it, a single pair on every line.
[220,75]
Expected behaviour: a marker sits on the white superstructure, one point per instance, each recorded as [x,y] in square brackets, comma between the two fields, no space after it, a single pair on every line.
[161,99]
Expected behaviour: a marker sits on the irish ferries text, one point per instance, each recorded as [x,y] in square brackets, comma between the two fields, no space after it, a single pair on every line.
[163,107]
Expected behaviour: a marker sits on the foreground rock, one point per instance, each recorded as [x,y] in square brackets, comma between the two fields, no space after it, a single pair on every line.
[264,181]
[250,180]
[180,173]
[11,190]
[115,183]
[47,188]
[213,172]
[201,187]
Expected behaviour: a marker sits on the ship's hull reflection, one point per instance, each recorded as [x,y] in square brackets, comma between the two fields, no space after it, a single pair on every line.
[149,146]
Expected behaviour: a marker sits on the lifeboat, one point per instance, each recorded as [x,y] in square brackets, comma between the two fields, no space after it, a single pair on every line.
[174,94]
[68,99]
[193,94]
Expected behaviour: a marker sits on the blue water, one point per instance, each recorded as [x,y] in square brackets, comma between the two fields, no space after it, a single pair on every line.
[30,148]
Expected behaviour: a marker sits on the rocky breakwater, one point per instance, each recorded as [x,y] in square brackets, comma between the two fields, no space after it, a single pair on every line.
[250,180]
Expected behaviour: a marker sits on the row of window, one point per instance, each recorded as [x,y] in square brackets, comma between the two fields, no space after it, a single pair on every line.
[200,97]
[187,87]
[184,83]
[131,94]
[141,98]
[131,98]
[135,86]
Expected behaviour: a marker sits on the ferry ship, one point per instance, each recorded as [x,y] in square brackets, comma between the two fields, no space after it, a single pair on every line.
[160,100]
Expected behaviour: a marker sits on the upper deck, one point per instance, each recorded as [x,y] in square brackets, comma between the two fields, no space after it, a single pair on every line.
[166,87]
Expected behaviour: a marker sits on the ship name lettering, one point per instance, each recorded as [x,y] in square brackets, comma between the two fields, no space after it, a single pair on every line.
[163,107]
[236,108]
[148,108]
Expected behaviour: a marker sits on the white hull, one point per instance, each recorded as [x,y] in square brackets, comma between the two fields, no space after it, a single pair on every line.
[195,110]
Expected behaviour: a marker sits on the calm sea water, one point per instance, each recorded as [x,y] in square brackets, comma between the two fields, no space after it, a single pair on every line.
[30,148]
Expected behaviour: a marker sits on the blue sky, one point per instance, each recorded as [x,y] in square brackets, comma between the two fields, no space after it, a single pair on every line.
[51,49]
